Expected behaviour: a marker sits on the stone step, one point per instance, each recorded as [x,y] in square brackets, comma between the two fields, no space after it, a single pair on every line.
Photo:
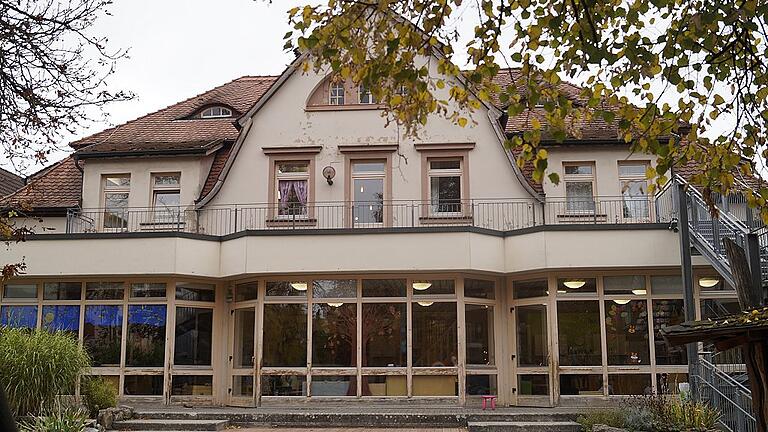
[491,416]
[521,426]
[170,425]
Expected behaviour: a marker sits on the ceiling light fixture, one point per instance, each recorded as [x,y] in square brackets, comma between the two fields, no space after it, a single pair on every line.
[426,304]
[708,281]
[639,292]
[334,304]
[421,285]
[621,302]
[575,283]
[299,286]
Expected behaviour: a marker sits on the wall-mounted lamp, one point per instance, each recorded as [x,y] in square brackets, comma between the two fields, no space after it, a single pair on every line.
[329,173]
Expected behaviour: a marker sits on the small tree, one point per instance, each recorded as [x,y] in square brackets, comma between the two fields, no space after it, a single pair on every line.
[37,366]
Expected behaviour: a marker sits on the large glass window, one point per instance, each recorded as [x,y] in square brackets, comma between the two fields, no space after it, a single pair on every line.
[104,290]
[342,385]
[166,198]
[441,385]
[579,181]
[192,385]
[578,324]
[283,385]
[445,192]
[103,332]
[334,288]
[668,313]
[145,344]
[634,190]
[531,288]
[62,291]
[384,385]
[336,93]
[148,290]
[434,334]
[285,335]
[433,287]
[712,282]
[619,285]
[287,288]
[20,291]
[663,284]
[479,331]
[583,385]
[366,97]
[532,340]
[629,384]
[368,180]
[334,334]
[143,385]
[61,318]
[201,292]
[383,287]
[292,184]
[194,332]
[576,286]
[480,288]
[244,338]
[626,326]
[19,316]
[116,191]
[384,334]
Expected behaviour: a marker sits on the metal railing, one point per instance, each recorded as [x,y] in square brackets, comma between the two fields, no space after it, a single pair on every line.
[492,214]
[721,391]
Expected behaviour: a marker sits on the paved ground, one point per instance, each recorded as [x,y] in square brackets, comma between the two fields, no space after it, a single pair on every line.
[350,430]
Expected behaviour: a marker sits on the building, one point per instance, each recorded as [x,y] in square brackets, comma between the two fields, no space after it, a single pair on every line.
[271,239]
[9,182]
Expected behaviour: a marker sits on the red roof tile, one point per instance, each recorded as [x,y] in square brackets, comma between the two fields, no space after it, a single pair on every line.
[219,160]
[59,187]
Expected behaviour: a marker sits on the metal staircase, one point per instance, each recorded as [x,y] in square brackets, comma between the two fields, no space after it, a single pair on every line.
[720,378]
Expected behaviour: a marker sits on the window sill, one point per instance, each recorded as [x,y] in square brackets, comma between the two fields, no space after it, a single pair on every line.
[304,222]
[347,107]
[446,220]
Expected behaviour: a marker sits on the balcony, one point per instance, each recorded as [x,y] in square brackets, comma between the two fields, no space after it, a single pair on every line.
[501,215]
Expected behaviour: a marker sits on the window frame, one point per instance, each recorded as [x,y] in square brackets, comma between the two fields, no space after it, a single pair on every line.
[383,175]
[580,178]
[119,189]
[362,92]
[165,189]
[428,173]
[274,218]
[337,93]
[221,114]
[632,178]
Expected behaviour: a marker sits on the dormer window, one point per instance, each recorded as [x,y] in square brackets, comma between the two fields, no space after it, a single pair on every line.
[366,97]
[216,112]
[336,94]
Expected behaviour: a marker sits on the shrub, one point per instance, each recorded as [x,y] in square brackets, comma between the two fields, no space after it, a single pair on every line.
[36,366]
[614,417]
[686,414]
[97,393]
[62,419]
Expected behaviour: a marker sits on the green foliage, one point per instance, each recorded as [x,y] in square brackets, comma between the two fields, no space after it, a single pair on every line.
[36,366]
[97,393]
[614,417]
[62,419]
[654,414]
[654,70]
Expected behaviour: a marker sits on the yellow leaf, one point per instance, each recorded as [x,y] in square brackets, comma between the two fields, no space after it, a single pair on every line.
[462,121]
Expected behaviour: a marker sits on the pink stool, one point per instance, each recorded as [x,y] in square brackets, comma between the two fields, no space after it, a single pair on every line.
[489,398]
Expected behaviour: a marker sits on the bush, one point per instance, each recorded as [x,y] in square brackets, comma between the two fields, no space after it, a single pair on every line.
[97,393]
[62,419]
[36,366]
[614,417]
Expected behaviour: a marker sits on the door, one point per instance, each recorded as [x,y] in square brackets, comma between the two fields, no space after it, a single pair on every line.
[532,362]
[242,356]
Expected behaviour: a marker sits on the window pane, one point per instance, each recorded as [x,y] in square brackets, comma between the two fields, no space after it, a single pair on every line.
[576,286]
[369,200]
[285,336]
[292,197]
[246,291]
[117,182]
[334,385]
[384,334]
[167,207]
[584,385]
[633,285]
[528,289]
[102,334]
[62,291]
[579,196]
[585,169]
[434,334]
[19,316]
[479,332]
[445,164]
[666,285]
[478,385]
[389,385]
[629,384]
[334,333]
[433,287]
[61,318]
[334,288]
[445,194]
[286,288]
[116,210]
[292,167]
[713,283]
[713,308]
[167,179]
[383,287]
[634,199]
[668,313]
[143,385]
[626,327]
[242,386]
[104,290]
[435,386]
[194,327]
[533,385]
[195,292]
[145,345]
[578,324]
[244,338]
[192,385]
[480,288]
[17,291]
[669,383]
[532,339]
[368,167]
[283,385]
[633,170]
[148,290]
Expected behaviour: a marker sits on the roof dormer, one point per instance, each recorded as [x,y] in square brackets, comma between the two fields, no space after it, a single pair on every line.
[215,111]
[337,94]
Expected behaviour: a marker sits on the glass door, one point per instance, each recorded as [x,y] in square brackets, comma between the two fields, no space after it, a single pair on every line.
[242,356]
[532,362]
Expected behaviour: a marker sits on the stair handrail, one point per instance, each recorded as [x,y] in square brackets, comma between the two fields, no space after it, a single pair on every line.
[723,215]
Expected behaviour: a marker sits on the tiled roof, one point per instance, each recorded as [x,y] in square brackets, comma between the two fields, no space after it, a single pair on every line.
[219,160]
[9,182]
[59,187]
[171,128]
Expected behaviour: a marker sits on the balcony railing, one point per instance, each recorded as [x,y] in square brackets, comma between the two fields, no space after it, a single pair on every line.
[492,214]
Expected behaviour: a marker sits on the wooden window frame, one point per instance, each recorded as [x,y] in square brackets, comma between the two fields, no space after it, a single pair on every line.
[291,155]
[427,216]
[361,157]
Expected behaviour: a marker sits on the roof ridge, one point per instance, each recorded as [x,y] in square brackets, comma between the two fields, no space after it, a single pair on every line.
[113,129]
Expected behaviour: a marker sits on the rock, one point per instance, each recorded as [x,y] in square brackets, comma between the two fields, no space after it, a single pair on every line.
[106,418]
[604,428]
[90,429]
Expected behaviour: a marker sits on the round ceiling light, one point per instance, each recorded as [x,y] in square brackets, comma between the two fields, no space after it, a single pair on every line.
[575,283]
[299,286]
[708,281]
[421,285]
[426,304]
[335,304]
[621,302]
[639,292]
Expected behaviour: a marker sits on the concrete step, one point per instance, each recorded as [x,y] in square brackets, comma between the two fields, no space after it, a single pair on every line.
[522,426]
[170,425]
[491,416]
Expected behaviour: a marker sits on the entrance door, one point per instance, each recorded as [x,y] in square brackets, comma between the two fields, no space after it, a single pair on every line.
[532,362]
[242,356]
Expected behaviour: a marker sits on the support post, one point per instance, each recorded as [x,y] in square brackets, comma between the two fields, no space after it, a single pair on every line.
[687,272]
